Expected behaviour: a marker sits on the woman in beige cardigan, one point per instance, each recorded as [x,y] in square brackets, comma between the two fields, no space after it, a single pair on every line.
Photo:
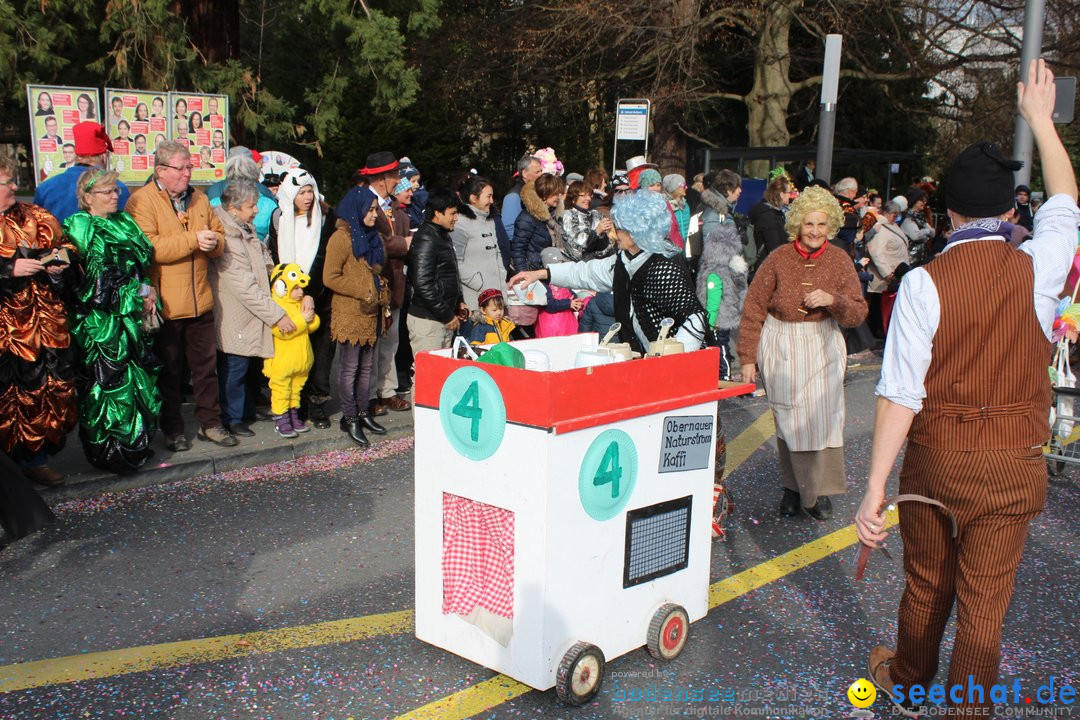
[244,310]
[888,250]
[359,308]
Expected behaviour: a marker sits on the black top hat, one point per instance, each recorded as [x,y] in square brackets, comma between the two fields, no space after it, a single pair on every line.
[379,163]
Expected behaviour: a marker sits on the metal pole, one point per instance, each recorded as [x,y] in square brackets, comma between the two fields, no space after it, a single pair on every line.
[827,123]
[1023,143]
[615,149]
[888,183]
[826,128]
[648,125]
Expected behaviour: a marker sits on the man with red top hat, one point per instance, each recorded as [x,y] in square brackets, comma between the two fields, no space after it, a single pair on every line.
[92,148]
[974,440]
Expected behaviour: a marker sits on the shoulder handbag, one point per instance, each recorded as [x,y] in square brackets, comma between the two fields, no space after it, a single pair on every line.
[151,321]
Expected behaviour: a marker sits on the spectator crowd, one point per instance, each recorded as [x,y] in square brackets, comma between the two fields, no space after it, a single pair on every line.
[114,305]
[242,294]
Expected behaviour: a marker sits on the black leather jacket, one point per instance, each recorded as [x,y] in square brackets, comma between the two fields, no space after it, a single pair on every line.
[433,274]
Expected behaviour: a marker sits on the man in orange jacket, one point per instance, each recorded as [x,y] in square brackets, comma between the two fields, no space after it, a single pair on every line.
[186,236]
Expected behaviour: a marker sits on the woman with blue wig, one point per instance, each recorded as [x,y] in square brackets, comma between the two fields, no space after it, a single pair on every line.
[360,305]
[646,275]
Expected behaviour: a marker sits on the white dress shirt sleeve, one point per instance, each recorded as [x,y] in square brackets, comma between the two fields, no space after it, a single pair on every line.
[1052,247]
[595,275]
[917,311]
[914,323]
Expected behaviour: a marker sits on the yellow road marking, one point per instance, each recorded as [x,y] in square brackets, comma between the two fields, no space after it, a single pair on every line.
[734,586]
[75,668]
[500,689]
[748,441]
[89,666]
[463,704]
[471,701]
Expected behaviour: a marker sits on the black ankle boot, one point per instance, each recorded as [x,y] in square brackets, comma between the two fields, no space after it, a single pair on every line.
[318,416]
[369,422]
[822,509]
[789,504]
[351,425]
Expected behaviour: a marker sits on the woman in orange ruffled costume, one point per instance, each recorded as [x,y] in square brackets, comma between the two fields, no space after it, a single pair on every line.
[37,383]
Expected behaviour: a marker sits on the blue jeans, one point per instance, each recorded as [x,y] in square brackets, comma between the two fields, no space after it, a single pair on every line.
[232,388]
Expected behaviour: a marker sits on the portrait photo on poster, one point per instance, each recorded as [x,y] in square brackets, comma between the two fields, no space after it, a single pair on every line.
[54,110]
[201,122]
[137,123]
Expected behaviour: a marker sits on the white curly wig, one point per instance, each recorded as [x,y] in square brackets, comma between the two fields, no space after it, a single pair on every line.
[814,199]
[645,215]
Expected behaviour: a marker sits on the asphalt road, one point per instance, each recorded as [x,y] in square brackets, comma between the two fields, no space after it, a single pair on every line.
[284,592]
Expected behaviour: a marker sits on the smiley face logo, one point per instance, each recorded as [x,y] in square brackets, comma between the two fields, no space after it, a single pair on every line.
[862,693]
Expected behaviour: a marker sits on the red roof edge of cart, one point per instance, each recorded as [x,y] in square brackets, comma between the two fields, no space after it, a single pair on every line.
[581,398]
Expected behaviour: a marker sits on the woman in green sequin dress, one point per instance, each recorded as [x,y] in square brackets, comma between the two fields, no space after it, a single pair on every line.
[116,371]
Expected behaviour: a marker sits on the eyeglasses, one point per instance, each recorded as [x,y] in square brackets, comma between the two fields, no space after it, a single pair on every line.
[189,167]
[10,182]
[110,191]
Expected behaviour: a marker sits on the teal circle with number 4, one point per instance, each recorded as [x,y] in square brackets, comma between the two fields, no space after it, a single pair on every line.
[608,473]
[472,413]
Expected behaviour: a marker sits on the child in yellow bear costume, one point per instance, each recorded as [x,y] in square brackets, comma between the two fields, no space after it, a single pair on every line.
[288,369]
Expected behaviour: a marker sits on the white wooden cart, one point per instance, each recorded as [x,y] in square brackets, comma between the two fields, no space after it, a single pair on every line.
[608,474]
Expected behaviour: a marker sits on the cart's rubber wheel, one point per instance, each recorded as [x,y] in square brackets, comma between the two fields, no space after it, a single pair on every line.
[668,632]
[580,674]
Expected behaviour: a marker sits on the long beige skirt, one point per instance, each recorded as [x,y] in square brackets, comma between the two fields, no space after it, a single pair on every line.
[802,367]
[812,472]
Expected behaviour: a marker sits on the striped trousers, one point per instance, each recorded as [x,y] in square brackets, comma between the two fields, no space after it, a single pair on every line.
[993,494]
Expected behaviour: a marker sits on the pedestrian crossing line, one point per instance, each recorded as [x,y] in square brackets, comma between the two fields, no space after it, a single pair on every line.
[495,691]
[90,666]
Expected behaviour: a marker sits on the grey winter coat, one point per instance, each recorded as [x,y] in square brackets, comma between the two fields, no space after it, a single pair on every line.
[722,255]
[717,210]
[476,246]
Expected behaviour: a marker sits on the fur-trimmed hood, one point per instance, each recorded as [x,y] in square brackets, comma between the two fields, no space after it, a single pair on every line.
[533,204]
[472,213]
[716,201]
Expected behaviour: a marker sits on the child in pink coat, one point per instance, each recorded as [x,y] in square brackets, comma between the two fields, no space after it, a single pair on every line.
[560,316]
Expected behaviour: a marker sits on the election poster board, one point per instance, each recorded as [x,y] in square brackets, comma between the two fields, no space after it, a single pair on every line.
[202,123]
[137,121]
[54,111]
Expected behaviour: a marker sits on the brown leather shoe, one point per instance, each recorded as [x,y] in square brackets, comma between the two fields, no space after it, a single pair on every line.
[877,666]
[397,403]
[376,409]
[44,475]
[219,436]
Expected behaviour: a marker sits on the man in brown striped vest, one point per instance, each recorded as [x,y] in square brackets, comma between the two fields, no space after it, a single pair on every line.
[964,380]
